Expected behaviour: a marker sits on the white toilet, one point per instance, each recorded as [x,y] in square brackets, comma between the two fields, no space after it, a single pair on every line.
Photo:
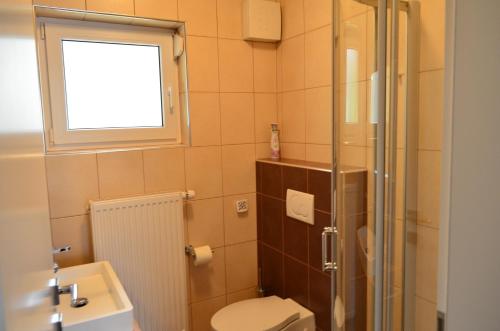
[263,314]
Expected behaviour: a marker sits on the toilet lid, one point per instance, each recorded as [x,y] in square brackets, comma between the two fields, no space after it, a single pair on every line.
[263,314]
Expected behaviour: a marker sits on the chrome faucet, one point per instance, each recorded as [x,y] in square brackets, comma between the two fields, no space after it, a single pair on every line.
[72,289]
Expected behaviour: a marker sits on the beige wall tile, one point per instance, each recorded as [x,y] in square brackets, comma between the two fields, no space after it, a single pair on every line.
[318,103]
[120,174]
[431,109]
[266,112]
[72,4]
[355,156]
[229,18]
[262,151]
[279,103]
[164,170]
[279,67]
[235,66]
[241,266]
[356,38]
[238,169]
[293,122]
[249,293]
[264,67]
[205,119]
[162,9]
[349,8]
[203,65]
[240,227]
[400,181]
[208,281]
[398,258]
[429,182]
[203,171]
[293,63]
[111,6]
[292,13]
[74,231]
[72,182]
[205,222]
[200,17]
[319,153]
[318,57]
[237,118]
[293,151]
[427,255]
[317,13]
[202,312]
[425,315]
[432,34]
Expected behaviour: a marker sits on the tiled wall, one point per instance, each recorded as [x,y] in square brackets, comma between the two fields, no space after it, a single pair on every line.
[290,250]
[233,101]
[305,79]
[432,36]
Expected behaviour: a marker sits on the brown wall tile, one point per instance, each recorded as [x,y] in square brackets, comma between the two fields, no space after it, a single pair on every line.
[319,185]
[295,238]
[271,180]
[296,281]
[271,264]
[295,179]
[319,296]
[272,223]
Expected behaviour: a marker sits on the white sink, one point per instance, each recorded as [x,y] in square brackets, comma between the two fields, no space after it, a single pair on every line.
[108,309]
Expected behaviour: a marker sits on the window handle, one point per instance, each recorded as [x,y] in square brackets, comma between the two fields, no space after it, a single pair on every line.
[170,100]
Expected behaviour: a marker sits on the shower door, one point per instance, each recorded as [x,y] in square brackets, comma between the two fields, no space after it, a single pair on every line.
[375,123]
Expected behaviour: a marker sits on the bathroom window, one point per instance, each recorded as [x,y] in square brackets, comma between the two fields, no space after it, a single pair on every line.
[108,84]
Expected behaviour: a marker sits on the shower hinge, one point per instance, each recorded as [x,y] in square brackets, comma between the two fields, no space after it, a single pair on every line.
[440,321]
[42,31]
[51,135]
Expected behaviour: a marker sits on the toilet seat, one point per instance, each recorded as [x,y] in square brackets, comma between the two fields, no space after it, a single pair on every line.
[263,314]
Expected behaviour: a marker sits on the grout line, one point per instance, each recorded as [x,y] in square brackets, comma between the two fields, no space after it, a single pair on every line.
[220,148]
[430,70]
[98,175]
[69,216]
[427,226]
[426,299]
[143,173]
[47,184]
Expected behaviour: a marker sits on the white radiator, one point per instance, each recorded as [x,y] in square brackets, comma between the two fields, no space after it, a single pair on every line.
[143,238]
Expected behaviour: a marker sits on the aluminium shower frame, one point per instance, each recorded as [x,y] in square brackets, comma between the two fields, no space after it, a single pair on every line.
[386,132]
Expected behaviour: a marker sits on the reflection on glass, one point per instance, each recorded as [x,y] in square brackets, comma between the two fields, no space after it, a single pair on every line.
[110,85]
[352,98]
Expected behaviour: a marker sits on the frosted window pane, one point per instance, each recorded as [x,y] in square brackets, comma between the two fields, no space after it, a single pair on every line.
[112,85]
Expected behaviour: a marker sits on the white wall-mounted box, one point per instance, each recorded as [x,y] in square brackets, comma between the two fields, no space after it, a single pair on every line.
[261,20]
[300,206]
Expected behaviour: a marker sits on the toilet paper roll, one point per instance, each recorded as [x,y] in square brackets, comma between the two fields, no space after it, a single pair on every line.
[202,255]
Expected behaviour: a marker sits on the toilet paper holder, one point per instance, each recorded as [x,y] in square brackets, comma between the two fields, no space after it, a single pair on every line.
[189,249]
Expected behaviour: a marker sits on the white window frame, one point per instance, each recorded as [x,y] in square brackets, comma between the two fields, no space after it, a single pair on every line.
[52,33]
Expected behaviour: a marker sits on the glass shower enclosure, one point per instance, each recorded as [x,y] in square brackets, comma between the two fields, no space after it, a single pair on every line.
[373,232]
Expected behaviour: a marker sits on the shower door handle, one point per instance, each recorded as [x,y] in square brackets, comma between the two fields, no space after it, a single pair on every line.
[326,265]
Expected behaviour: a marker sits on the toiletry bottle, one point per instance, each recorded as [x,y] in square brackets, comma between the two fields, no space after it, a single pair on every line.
[275,142]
